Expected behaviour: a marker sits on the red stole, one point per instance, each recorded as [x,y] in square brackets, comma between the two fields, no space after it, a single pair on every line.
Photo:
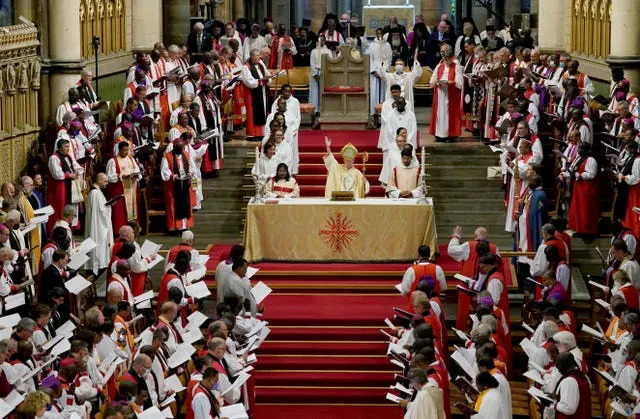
[287,58]
[454,94]
[420,271]
[631,295]
[584,405]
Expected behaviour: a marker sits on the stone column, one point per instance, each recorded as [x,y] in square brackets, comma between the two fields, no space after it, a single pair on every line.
[65,61]
[146,22]
[177,21]
[551,26]
[238,9]
[625,39]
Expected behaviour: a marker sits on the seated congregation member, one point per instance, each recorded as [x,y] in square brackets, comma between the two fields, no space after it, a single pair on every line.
[237,284]
[404,179]
[283,185]
[344,177]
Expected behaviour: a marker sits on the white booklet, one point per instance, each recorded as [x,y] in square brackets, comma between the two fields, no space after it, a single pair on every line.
[48,210]
[149,248]
[260,291]
[77,284]
[234,411]
[198,290]
[77,261]
[173,383]
[14,300]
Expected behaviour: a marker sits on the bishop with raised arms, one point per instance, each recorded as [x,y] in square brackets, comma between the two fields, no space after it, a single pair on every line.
[344,177]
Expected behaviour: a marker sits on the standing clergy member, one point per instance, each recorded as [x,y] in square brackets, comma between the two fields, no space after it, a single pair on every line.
[292,118]
[379,57]
[98,225]
[34,239]
[584,210]
[256,83]
[124,174]
[204,403]
[63,171]
[177,170]
[405,80]
[428,402]
[344,177]
[404,180]
[573,390]
[400,117]
[447,83]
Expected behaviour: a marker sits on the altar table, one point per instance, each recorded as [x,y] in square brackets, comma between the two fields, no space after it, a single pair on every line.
[319,230]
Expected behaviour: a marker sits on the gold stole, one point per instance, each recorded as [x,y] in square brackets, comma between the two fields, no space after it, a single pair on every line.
[27,211]
[129,185]
[479,400]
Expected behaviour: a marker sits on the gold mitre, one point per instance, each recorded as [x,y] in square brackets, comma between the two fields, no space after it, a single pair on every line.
[349,152]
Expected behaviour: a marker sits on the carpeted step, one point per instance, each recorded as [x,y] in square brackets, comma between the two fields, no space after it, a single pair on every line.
[299,394]
[323,378]
[318,190]
[314,140]
[327,411]
[317,157]
[321,179]
[321,347]
[329,310]
[378,362]
[325,333]
[314,168]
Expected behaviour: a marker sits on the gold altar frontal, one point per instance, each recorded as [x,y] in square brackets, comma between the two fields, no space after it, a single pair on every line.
[318,230]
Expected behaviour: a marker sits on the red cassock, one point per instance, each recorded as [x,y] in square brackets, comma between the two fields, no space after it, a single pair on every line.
[584,212]
[421,271]
[454,94]
[287,58]
[469,269]
[584,405]
[169,198]
[632,219]
[255,122]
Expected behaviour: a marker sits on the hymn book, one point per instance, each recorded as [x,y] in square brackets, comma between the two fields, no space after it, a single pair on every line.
[14,300]
[393,398]
[77,284]
[465,409]
[114,200]
[535,376]
[234,411]
[528,328]
[540,396]
[260,291]
[10,321]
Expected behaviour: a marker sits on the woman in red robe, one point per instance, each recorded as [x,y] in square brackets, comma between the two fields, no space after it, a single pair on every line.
[584,211]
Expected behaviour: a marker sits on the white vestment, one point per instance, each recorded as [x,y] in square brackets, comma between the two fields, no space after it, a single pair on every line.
[316,66]
[404,80]
[379,57]
[292,119]
[99,228]
[442,106]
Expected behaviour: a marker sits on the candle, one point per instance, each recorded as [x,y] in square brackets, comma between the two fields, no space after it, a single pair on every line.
[422,163]
[257,157]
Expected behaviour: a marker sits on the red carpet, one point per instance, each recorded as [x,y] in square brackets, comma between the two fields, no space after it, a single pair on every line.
[325,356]
[346,277]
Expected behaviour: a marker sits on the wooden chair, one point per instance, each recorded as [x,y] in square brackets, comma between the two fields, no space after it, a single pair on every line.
[423,81]
[299,79]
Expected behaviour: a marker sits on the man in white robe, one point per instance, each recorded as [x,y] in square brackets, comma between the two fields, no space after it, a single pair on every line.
[405,80]
[98,225]
[447,81]
[401,117]
[429,402]
[379,57]
[387,107]
[404,180]
[316,66]
[292,119]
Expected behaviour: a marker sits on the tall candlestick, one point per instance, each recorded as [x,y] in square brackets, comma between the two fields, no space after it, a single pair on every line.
[257,157]
[422,172]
